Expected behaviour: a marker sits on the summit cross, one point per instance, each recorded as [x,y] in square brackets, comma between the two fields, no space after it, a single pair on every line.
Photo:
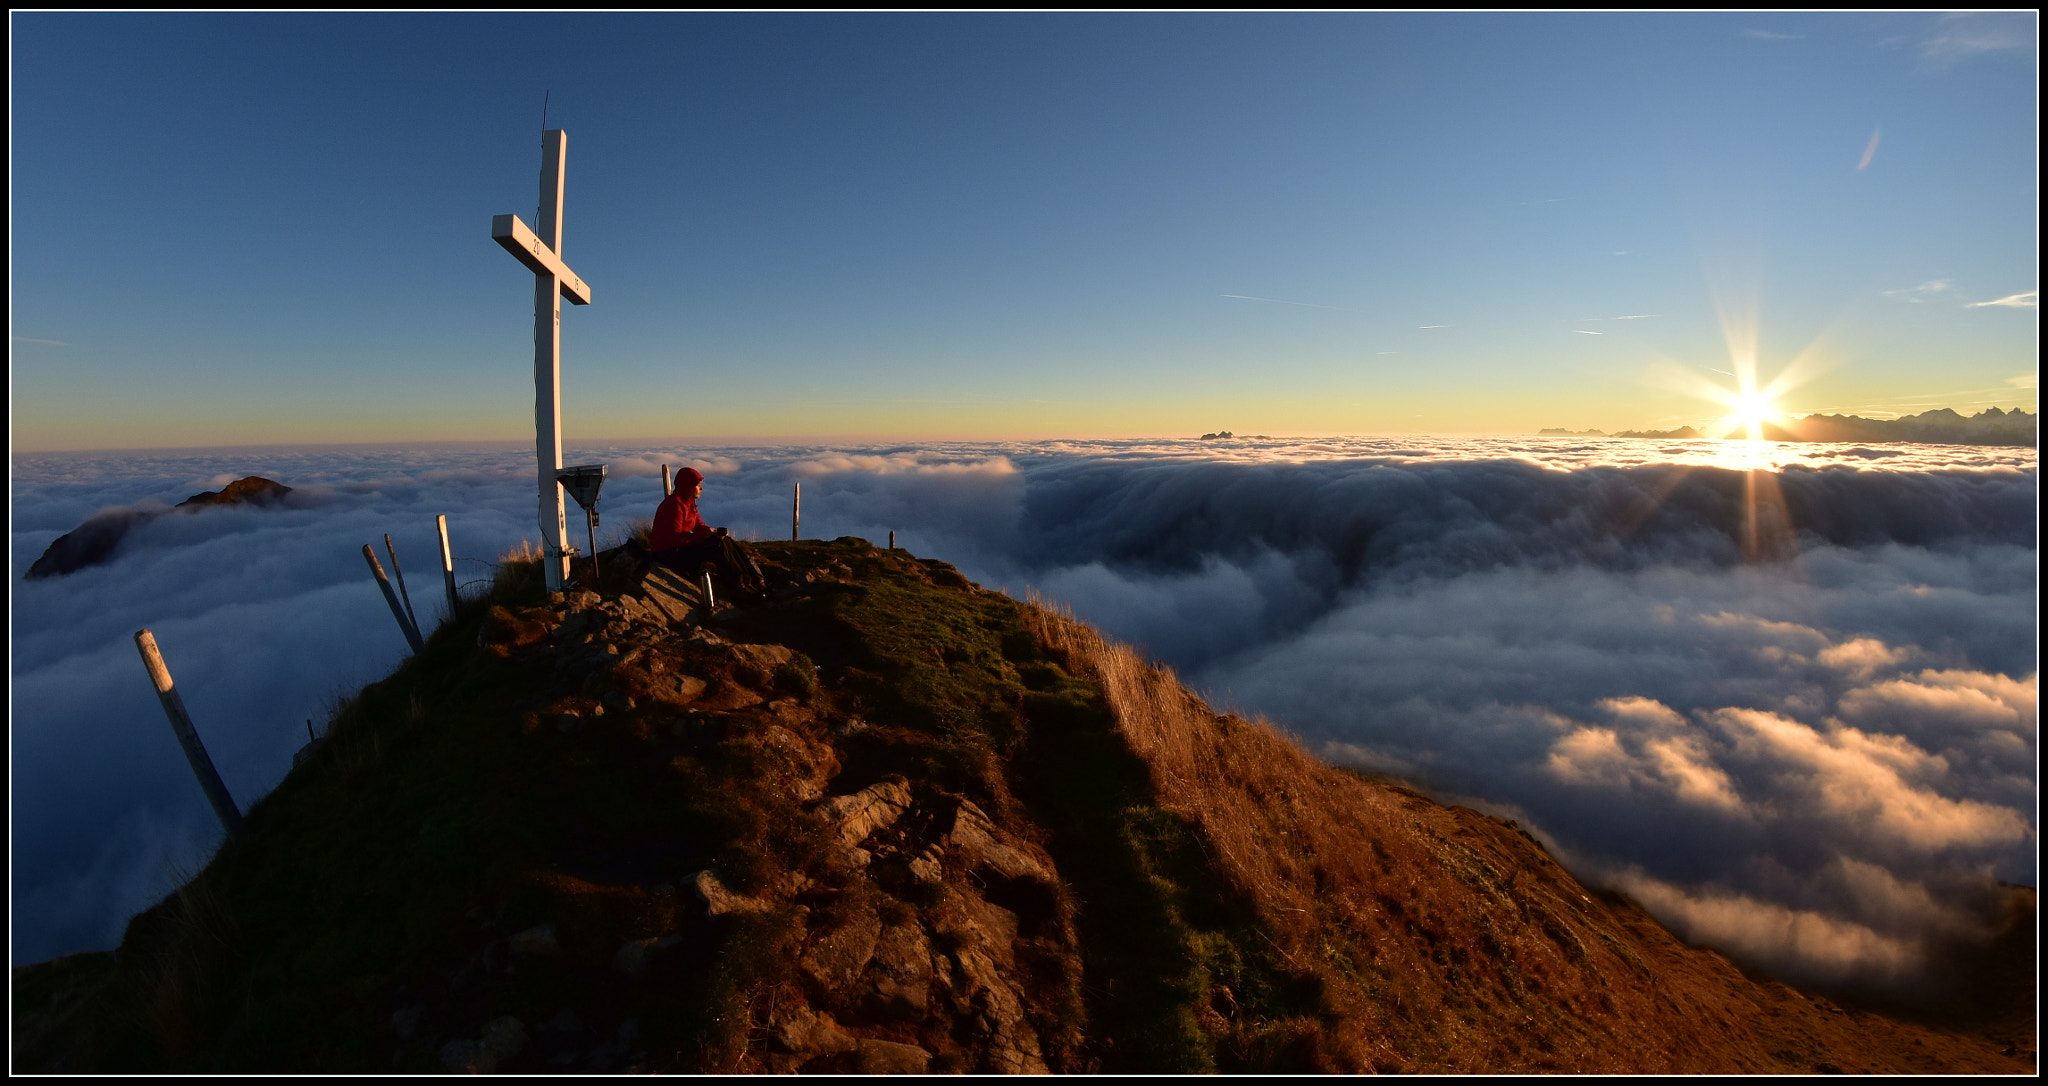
[540,249]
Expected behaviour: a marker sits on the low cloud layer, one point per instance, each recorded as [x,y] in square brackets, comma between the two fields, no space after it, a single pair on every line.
[1793,713]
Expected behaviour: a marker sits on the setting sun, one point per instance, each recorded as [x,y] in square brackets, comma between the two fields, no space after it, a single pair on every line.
[1751,412]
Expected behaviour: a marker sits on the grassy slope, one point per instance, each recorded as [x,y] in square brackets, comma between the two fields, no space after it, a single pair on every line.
[1224,903]
[1447,940]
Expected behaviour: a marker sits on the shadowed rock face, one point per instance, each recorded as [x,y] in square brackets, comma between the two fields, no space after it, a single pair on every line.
[93,542]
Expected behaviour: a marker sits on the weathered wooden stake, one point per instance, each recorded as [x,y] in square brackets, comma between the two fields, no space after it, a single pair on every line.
[710,601]
[447,565]
[188,738]
[667,482]
[399,575]
[892,539]
[796,509]
[412,635]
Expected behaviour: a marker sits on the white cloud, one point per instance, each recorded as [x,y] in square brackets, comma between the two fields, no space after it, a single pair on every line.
[1960,36]
[1930,289]
[1806,941]
[1648,750]
[1685,763]
[2025,299]
[1858,784]
[1591,756]
[1859,658]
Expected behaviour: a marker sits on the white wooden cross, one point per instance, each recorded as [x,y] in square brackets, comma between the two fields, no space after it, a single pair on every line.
[552,281]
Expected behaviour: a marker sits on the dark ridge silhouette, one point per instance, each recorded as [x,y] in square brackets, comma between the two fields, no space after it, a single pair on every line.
[1941,426]
[93,542]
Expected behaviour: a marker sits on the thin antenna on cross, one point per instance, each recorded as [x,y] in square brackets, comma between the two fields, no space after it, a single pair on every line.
[543,141]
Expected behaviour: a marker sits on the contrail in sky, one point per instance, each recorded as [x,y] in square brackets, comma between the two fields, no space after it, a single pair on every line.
[1870,151]
[1283,301]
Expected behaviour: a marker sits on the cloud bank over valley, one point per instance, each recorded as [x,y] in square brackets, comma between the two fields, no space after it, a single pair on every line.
[1784,696]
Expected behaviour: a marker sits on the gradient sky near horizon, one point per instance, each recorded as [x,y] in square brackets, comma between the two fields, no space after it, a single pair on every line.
[250,229]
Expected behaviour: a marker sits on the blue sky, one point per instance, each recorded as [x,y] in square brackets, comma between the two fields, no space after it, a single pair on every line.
[235,229]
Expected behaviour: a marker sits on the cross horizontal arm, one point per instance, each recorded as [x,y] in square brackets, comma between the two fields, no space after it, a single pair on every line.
[508,231]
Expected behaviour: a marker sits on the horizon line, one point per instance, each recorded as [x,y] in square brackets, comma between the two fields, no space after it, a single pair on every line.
[786,440]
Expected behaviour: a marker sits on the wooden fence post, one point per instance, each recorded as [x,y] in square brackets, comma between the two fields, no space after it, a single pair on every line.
[399,575]
[412,634]
[447,566]
[892,539]
[796,508]
[188,738]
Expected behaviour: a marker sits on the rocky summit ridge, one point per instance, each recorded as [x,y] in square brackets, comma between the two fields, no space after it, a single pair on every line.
[887,821]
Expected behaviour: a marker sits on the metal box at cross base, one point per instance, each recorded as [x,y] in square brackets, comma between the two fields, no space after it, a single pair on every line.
[583,482]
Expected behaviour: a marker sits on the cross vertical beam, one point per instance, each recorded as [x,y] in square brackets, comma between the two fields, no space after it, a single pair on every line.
[547,362]
[540,250]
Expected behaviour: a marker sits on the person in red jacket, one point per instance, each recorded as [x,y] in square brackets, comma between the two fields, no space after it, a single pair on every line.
[682,541]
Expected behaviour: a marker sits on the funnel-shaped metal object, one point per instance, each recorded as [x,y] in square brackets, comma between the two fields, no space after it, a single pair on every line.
[583,482]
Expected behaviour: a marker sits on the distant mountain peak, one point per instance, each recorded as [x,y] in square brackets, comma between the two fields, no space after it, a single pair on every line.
[93,542]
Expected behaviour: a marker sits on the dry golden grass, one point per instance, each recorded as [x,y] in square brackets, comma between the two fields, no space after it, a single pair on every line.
[1446,940]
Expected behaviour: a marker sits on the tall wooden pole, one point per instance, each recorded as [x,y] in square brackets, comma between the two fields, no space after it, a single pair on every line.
[188,737]
[667,482]
[398,574]
[796,509]
[411,632]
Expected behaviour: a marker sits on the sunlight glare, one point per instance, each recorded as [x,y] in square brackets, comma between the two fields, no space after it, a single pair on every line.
[1751,411]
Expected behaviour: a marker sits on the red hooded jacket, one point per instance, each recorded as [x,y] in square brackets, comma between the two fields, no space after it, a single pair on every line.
[676,523]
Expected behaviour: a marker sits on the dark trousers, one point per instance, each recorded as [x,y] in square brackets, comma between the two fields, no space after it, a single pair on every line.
[722,553]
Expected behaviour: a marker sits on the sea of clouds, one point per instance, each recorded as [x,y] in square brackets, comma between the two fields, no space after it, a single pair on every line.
[1784,696]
